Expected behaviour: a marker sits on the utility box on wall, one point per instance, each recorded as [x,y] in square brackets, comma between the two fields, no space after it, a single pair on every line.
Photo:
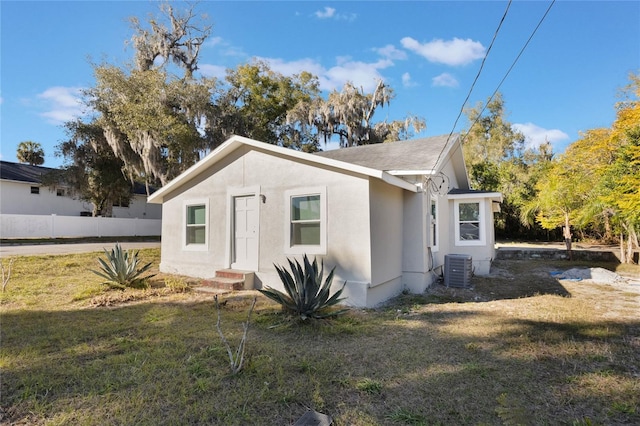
[457,270]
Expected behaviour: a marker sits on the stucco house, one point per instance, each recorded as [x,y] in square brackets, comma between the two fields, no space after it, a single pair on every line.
[22,192]
[384,215]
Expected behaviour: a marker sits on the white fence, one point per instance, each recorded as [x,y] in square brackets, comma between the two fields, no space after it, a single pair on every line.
[54,226]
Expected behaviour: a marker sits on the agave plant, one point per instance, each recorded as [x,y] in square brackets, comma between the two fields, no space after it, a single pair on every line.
[121,270]
[306,294]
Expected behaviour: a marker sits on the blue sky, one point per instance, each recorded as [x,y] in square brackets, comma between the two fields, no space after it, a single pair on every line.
[565,81]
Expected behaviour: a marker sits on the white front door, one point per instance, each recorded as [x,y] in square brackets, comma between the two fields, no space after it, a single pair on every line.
[245,232]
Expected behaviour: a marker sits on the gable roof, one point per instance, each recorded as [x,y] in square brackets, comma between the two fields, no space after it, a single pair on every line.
[402,157]
[19,172]
[235,142]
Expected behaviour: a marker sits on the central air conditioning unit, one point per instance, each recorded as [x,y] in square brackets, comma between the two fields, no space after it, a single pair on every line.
[457,270]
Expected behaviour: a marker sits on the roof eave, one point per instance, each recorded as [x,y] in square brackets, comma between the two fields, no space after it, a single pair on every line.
[466,195]
[235,141]
[411,172]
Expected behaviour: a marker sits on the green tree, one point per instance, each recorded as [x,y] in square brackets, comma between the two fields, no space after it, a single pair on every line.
[30,152]
[92,172]
[497,161]
[154,120]
[560,196]
[348,114]
[595,184]
[151,122]
[158,118]
[255,103]
[490,138]
[621,179]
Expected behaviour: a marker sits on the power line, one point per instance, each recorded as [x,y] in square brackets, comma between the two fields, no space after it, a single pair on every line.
[503,78]
[475,80]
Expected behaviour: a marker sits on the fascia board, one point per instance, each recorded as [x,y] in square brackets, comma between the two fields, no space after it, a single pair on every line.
[411,172]
[28,182]
[213,157]
[235,141]
[490,195]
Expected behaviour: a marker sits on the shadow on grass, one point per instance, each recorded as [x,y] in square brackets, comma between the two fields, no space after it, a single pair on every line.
[487,289]
[162,363]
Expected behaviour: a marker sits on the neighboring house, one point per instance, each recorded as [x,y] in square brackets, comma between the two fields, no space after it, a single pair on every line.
[384,215]
[22,192]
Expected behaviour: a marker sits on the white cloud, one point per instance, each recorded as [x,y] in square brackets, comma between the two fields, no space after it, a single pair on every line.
[62,104]
[209,70]
[406,80]
[294,67]
[536,135]
[361,74]
[213,41]
[452,52]
[444,80]
[391,52]
[328,12]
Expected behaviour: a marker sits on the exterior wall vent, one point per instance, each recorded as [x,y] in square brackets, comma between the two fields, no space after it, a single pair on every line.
[457,270]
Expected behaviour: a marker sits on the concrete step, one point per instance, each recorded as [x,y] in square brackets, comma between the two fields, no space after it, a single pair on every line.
[231,273]
[227,280]
[222,283]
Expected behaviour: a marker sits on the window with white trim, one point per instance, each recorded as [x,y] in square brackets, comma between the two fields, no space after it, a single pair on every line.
[195,225]
[469,222]
[433,226]
[306,221]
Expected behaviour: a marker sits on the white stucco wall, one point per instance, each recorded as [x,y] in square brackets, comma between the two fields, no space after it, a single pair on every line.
[386,241]
[415,266]
[139,208]
[16,198]
[348,221]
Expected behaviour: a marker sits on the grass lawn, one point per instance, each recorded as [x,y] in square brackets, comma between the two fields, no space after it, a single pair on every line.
[519,348]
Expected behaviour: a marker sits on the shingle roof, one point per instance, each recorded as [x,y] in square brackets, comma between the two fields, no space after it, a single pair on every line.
[22,172]
[416,154]
[19,172]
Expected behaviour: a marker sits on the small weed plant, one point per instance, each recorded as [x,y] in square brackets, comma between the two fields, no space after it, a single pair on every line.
[369,386]
[122,269]
[236,360]
[306,295]
[6,275]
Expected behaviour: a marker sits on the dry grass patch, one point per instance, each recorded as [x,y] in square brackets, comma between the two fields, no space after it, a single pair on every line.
[520,348]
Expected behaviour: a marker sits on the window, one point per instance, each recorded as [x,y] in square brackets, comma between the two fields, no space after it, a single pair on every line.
[306,222]
[121,202]
[35,189]
[60,192]
[469,221]
[433,226]
[196,225]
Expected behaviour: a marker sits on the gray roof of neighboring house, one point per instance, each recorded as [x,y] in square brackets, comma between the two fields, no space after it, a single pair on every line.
[416,154]
[27,173]
[23,172]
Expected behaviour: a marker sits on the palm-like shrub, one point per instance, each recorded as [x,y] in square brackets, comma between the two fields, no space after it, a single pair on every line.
[121,268]
[306,295]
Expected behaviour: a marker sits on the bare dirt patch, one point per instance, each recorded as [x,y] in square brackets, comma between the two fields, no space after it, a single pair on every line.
[618,298]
